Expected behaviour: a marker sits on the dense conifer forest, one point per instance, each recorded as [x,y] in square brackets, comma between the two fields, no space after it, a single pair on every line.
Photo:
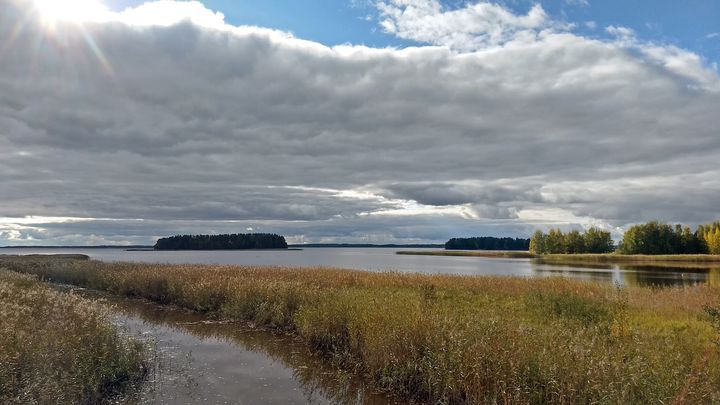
[487,243]
[222,242]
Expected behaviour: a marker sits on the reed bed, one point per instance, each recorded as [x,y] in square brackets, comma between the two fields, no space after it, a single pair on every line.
[454,339]
[57,348]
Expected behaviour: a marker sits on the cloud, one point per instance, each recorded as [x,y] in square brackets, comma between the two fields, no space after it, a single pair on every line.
[476,25]
[133,131]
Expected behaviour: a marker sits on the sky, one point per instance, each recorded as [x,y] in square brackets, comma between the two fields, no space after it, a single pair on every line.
[395,121]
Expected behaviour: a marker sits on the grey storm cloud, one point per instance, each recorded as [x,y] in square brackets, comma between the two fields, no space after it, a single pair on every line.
[186,125]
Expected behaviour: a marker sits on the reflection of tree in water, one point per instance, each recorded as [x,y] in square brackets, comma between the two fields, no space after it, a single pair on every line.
[670,275]
[591,271]
[311,371]
[661,274]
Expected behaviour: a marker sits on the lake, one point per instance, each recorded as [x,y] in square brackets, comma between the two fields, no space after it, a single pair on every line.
[385,259]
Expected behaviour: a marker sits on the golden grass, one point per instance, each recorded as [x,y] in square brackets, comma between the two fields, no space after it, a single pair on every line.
[57,348]
[454,339]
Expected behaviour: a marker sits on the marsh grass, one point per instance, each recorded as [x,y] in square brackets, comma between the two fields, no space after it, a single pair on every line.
[57,348]
[454,339]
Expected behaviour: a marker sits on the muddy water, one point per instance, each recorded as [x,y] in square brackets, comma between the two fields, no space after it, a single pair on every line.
[198,360]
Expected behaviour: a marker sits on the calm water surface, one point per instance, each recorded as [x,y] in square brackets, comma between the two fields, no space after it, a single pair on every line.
[198,360]
[385,259]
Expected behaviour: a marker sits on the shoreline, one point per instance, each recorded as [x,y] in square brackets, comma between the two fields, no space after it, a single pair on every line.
[571,258]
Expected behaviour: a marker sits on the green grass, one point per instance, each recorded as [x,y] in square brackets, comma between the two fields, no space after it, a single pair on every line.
[454,339]
[57,348]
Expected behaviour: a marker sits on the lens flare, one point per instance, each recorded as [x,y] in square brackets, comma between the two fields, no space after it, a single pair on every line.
[53,11]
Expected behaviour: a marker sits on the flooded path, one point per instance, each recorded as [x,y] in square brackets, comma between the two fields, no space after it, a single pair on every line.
[197,360]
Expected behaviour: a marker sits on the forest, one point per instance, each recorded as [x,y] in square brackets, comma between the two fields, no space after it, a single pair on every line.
[655,238]
[487,243]
[651,238]
[594,240]
[222,242]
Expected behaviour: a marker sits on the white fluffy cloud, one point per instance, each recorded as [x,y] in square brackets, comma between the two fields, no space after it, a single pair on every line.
[477,25]
[166,119]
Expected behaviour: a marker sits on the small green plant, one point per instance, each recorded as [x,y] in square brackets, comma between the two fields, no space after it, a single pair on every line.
[714,313]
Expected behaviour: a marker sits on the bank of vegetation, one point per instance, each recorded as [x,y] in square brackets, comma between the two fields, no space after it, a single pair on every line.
[487,243]
[498,254]
[57,348]
[222,242]
[455,339]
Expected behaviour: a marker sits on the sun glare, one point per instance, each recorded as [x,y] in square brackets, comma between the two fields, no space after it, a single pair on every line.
[53,11]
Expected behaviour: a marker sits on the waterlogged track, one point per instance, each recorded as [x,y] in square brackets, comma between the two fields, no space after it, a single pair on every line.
[199,360]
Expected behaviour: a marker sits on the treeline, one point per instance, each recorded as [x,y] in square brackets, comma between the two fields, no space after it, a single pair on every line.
[593,240]
[655,238]
[487,243]
[222,242]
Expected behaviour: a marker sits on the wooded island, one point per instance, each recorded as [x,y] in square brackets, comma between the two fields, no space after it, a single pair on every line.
[222,242]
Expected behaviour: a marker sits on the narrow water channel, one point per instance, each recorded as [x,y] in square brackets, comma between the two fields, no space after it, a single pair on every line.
[198,360]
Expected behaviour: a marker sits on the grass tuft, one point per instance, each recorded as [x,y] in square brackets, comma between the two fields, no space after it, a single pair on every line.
[57,348]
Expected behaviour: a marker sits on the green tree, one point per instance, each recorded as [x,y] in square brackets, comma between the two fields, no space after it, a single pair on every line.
[538,243]
[574,242]
[598,241]
[555,241]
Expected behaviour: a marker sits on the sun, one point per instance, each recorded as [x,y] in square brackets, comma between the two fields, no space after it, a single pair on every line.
[53,11]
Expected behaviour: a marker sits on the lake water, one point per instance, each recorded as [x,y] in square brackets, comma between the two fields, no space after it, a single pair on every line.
[385,259]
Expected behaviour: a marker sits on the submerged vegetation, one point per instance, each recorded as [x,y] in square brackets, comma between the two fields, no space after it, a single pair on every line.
[487,243]
[222,242]
[454,339]
[57,348]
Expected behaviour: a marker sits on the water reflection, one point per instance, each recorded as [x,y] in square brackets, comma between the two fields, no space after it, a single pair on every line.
[203,360]
[661,275]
